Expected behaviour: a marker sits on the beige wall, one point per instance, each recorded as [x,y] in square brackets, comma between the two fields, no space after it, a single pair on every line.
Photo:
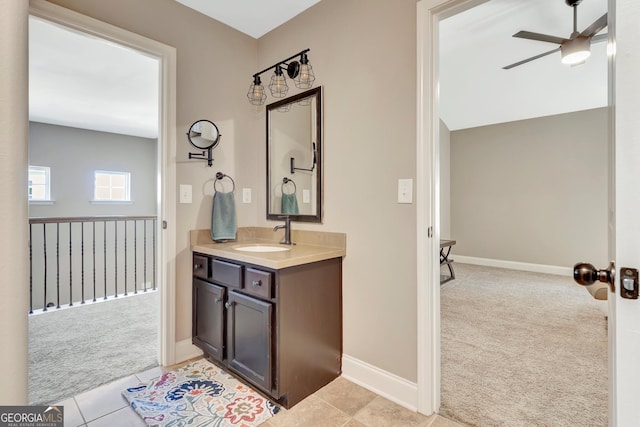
[363,53]
[532,191]
[364,56]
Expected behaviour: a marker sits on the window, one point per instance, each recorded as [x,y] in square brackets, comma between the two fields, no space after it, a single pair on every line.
[112,186]
[39,183]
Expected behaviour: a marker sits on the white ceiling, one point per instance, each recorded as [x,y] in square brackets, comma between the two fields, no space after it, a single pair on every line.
[476,44]
[80,81]
[76,80]
[253,17]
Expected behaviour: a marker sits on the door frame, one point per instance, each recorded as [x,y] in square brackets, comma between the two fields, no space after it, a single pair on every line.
[166,154]
[429,13]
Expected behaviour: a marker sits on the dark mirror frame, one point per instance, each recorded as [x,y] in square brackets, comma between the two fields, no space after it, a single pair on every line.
[317,92]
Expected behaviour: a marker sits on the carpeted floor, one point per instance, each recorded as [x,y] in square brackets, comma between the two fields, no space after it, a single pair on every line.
[522,349]
[76,349]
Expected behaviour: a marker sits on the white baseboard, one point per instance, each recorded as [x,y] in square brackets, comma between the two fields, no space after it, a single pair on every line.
[514,265]
[185,350]
[383,383]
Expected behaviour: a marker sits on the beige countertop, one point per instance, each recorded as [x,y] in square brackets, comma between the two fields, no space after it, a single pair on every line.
[311,246]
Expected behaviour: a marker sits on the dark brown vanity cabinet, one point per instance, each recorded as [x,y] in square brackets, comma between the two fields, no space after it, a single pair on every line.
[280,330]
[208,324]
[249,338]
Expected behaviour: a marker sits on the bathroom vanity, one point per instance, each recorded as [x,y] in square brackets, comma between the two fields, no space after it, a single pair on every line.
[271,315]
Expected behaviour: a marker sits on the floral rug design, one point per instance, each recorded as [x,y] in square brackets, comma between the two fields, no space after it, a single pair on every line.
[199,394]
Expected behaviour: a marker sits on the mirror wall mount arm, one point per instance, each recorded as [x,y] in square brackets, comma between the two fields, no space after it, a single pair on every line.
[205,155]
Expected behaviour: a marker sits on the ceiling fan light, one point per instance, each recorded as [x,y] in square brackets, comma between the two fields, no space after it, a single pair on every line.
[575,51]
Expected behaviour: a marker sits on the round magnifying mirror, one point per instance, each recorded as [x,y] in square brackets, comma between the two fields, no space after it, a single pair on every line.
[203,134]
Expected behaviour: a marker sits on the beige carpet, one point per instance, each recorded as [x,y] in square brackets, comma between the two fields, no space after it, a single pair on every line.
[76,349]
[522,349]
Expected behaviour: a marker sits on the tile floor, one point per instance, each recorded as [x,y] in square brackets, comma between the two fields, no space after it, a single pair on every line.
[339,404]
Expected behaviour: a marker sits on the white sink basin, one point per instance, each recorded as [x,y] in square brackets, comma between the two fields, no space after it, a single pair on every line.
[262,248]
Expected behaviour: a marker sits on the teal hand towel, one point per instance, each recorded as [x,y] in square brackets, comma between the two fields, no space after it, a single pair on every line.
[223,217]
[290,204]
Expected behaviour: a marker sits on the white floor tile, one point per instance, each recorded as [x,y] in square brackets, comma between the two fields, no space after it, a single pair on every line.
[72,416]
[104,399]
[125,417]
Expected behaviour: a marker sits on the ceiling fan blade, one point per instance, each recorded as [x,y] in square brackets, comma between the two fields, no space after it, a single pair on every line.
[539,37]
[600,38]
[596,27]
[524,61]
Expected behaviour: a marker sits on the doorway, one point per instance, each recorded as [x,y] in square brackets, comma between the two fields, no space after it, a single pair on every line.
[429,109]
[164,226]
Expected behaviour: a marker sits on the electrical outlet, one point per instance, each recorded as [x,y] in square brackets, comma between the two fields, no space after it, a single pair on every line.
[405,191]
[306,196]
[186,195]
[246,195]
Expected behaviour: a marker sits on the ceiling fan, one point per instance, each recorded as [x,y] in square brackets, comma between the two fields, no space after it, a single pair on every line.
[576,49]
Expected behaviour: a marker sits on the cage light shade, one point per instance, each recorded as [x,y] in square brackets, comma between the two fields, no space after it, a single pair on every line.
[278,85]
[256,93]
[305,77]
[575,51]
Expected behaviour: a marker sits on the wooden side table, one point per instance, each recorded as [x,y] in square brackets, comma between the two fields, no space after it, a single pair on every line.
[445,250]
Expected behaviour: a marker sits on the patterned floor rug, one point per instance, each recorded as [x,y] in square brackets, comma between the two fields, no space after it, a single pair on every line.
[199,394]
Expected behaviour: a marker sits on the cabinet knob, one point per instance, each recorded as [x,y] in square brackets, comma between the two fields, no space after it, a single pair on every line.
[197,266]
[217,300]
[256,283]
[228,304]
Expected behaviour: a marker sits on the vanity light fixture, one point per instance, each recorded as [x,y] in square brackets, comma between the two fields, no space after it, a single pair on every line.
[305,77]
[278,85]
[300,72]
[256,93]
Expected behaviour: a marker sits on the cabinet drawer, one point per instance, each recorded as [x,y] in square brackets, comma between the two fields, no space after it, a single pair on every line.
[201,266]
[226,273]
[258,282]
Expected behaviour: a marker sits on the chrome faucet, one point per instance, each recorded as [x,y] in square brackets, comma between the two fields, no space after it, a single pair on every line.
[287,229]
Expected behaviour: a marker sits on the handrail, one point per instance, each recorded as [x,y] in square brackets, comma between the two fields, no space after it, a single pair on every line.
[57,239]
[50,220]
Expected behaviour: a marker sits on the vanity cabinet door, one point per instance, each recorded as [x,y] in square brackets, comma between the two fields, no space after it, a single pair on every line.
[249,338]
[208,317]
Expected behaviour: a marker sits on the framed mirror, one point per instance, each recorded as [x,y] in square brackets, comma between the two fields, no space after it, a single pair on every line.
[294,157]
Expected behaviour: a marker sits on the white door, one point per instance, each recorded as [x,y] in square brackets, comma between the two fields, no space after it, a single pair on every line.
[624,227]
[624,320]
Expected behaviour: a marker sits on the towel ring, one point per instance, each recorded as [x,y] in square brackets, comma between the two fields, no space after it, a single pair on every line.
[219,177]
[286,180]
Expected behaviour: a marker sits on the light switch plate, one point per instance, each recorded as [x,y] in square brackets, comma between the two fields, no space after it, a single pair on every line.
[246,195]
[405,191]
[186,195]
[306,196]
